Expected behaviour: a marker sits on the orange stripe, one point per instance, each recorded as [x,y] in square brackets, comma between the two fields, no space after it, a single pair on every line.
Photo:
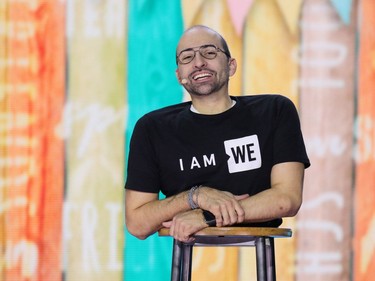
[49,107]
[33,162]
[365,195]
[3,136]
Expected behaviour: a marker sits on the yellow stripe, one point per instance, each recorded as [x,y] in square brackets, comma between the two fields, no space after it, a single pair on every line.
[269,67]
[95,150]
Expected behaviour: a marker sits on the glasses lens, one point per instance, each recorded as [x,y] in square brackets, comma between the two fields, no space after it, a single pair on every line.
[206,51]
[209,52]
[186,56]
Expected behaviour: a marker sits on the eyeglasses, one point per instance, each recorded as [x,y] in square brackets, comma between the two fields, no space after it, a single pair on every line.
[206,51]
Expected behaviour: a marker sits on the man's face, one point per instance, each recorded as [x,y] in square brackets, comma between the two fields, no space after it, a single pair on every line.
[203,76]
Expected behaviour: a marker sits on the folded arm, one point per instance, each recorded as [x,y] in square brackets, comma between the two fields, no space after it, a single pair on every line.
[145,213]
[283,199]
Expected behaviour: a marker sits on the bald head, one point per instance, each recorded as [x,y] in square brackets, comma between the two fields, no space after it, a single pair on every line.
[198,35]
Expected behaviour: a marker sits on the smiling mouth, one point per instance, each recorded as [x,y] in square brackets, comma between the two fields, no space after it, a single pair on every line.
[201,76]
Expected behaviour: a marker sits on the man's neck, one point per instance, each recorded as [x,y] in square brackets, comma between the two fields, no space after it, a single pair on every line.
[211,104]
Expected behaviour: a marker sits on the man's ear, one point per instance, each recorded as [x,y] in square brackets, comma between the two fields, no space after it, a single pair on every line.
[232,66]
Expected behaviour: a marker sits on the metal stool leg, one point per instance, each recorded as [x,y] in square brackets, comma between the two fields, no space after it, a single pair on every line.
[176,260]
[270,257]
[262,239]
[260,249]
[186,262]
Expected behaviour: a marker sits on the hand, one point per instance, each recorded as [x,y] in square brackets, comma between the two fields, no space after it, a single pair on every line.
[184,225]
[224,205]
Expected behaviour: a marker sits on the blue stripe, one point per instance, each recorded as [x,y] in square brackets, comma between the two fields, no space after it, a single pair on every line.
[154,30]
[343,7]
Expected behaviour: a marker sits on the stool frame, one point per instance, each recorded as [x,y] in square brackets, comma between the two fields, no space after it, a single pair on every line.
[262,238]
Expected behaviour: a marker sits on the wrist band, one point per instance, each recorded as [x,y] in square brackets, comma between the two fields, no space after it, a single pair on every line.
[190,197]
[209,218]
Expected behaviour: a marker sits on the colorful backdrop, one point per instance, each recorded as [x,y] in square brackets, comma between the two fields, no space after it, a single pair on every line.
[75,75]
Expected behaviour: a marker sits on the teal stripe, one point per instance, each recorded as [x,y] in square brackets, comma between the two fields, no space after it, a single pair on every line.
[343,8]
[154,29]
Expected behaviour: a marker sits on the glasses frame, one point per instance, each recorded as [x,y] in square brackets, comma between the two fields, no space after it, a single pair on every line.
[199,49]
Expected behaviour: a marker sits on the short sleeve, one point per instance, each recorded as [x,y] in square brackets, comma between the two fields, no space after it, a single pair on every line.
[142,170]
[289,145]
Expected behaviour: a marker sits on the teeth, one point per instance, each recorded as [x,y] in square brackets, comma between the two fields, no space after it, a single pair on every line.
[202,75]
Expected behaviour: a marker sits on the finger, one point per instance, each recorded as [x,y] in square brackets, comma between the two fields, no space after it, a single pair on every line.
[235,213]
[167,224]
[172,229]
[241,197]
[185,239]
[220,212]
[230,216]
[233,217]
[190,239]
[240,213]
[181,236]
[225,214]
[218,218]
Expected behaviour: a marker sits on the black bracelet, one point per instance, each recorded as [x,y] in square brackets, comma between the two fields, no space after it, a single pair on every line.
[209,218]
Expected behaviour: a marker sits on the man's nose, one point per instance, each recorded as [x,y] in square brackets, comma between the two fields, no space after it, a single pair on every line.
[199,61]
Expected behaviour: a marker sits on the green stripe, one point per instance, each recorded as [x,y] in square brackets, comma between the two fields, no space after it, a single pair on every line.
[154,30]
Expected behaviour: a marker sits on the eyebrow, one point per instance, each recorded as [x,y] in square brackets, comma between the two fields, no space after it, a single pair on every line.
[192,48]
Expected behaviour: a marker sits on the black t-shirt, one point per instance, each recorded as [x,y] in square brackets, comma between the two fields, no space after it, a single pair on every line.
[173,148]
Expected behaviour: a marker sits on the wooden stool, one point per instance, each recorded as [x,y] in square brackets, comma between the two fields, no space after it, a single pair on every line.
[260,237]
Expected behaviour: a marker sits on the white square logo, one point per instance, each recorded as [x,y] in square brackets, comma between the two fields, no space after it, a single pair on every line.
[244,154]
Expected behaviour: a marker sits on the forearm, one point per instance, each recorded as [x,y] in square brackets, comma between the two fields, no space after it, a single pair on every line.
[144,219]
[283,199]
[270,204]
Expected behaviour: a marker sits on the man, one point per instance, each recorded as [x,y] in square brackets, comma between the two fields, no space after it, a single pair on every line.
[220,160]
